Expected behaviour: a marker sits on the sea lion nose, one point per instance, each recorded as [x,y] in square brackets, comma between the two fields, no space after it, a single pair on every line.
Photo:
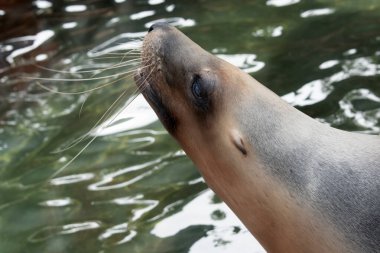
[158,25]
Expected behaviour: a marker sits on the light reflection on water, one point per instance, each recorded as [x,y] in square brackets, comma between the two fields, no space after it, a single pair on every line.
[137,114]
[71,179]
[317,90]
[133,189]
[174,21]
[226,234]
[246,62]
[317,12]
[32,43]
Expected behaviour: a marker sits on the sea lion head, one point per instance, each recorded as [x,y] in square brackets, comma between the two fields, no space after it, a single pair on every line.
[193,92]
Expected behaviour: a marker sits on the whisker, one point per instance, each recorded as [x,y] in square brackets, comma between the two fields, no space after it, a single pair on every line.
[82,105]
[123,53]
[78,92]
[78,140]
[126,75]
[134,55]
[110,57]
[77,79]
[93,139]
[118,65]
[145,80]
[128,58]
[81,71]
[72,160]
[64,71]
[120,54]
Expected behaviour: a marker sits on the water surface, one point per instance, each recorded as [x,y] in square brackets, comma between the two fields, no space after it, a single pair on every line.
[133,189]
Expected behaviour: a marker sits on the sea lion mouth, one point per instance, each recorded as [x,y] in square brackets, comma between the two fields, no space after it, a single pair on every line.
[154,78]
[148,89]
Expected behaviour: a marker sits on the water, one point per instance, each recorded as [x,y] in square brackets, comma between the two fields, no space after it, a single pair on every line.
[133,189]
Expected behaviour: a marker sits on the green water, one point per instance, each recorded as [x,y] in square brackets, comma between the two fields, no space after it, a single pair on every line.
[133,189]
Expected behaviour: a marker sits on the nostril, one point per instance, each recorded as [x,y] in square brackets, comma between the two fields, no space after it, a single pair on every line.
[158,26]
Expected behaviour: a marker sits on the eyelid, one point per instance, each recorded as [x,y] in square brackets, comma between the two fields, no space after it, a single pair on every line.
[195,78]
[201,98]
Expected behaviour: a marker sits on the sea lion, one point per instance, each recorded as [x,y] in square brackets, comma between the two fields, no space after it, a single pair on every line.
[297,184]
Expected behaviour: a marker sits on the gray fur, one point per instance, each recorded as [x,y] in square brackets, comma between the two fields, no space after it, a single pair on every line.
[337,173]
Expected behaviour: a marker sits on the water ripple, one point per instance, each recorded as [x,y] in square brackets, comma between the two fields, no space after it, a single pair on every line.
[71,179]
[57,202]
[118,230]
[137,114]
[362,117]
[202,210]
[269,31]
[137,200]
[141,15]
[317,90]
[51,231]
[104,183]
[317,12]
[76,8]
[328,64]
[281,3]
[76,227]
[34,42]
[174,21]
[246,62]
[121,42]
[155,2]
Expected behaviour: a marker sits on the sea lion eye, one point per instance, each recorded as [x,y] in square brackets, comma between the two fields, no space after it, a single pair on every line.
[201,91]
[197,88]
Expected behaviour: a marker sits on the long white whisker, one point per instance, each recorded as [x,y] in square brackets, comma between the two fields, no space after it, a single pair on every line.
[84,71]
[92,139]
[132,60]
[118,65]
[79,92]
[76,79]
[78,140]
[82,105]
[126,75]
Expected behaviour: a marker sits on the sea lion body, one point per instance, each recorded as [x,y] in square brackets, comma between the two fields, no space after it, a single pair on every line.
[297,184]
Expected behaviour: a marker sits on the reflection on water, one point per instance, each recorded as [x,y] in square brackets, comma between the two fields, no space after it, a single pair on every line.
[226,233]
[136,114]
[318,90]
[133,189]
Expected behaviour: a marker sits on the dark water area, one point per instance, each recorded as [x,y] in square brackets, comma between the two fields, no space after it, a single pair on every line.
[133,189]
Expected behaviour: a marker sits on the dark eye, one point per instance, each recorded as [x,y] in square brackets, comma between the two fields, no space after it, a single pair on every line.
[196,88]
[201,89]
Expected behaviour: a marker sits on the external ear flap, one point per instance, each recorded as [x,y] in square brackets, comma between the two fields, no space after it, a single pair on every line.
[237,140]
